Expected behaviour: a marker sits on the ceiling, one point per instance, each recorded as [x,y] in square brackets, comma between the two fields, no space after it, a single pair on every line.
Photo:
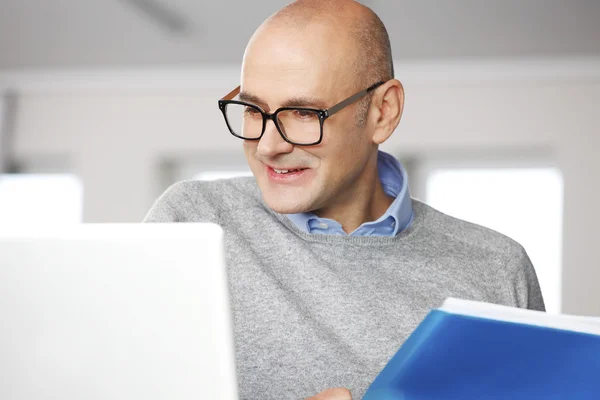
[102,33]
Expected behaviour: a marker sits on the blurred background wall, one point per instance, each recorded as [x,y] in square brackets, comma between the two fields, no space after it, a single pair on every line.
[106,103]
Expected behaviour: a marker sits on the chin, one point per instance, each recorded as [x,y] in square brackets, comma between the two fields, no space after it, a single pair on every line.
[285,204]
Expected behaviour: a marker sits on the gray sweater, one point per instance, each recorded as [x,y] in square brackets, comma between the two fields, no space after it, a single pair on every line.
[312,312]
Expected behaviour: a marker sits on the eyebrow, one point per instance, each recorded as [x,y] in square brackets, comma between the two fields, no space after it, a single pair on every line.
[250,98]
[309,102]
[304,102]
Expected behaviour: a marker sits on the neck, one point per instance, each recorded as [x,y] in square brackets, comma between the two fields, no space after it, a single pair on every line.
[364,201]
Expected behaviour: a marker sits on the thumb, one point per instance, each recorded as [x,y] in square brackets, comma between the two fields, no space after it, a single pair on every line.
[333,394]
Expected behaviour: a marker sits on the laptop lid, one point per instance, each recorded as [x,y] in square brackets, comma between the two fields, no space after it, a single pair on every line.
[115,311]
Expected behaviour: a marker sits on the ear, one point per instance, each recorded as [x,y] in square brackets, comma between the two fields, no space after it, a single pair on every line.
[388,102]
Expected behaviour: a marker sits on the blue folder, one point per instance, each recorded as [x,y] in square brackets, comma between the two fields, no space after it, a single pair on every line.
[451,356]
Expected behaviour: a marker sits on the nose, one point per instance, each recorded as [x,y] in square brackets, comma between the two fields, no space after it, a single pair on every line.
[271,143]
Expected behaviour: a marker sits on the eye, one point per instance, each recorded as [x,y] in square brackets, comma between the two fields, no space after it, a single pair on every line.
[304,114]
[251,111]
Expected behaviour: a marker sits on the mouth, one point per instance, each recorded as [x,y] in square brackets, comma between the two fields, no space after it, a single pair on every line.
[287,171]
[286,175]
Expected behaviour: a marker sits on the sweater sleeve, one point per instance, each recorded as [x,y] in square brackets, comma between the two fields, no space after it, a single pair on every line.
[169,206]
[187,201]
[525,282]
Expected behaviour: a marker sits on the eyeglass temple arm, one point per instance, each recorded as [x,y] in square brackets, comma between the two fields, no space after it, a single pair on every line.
[352,99]
[232,94]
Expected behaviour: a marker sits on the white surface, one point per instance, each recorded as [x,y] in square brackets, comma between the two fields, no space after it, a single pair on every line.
[120,311]
[521,316]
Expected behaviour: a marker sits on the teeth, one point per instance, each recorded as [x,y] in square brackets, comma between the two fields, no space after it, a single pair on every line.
[286,171]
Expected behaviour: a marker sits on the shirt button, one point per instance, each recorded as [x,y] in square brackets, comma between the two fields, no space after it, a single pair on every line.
[323,225]
[393,224]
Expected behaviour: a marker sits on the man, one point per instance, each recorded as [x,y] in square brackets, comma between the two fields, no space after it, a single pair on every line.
[331,265]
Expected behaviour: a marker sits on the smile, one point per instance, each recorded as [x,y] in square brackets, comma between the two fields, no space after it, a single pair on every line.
[288,171]
[294,176]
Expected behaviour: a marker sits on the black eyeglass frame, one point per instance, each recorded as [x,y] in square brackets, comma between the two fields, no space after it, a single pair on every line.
[322,114]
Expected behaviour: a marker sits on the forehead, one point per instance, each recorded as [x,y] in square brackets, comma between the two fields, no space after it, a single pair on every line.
[283,63]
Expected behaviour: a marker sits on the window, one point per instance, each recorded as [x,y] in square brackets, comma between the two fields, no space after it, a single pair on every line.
[214,175]
[205,167]
[522,203]
[39,199]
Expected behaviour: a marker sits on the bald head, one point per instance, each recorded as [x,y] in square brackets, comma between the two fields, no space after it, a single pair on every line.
[343,38]
[372,61]
[372,57]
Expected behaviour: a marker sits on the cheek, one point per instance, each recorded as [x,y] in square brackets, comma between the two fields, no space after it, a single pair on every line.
[249,150]
[342,144]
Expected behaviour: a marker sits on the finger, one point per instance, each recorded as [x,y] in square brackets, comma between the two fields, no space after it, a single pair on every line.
[333,394]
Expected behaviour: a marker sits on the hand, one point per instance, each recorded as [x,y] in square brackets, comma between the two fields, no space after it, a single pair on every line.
[333,394]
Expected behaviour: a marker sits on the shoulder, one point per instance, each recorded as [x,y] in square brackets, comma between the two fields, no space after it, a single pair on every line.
[485,250]
[198,201]
[458,231]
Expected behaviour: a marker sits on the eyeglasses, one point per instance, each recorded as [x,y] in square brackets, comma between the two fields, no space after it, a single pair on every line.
[297,125]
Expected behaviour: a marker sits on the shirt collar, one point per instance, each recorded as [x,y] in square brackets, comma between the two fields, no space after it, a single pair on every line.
[394,180]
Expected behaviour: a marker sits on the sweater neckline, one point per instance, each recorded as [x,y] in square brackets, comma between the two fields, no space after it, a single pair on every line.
[417,223]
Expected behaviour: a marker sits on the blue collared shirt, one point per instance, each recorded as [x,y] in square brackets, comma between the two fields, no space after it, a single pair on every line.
[397,218]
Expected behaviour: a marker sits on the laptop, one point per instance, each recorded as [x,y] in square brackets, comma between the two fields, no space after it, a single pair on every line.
[115,311]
